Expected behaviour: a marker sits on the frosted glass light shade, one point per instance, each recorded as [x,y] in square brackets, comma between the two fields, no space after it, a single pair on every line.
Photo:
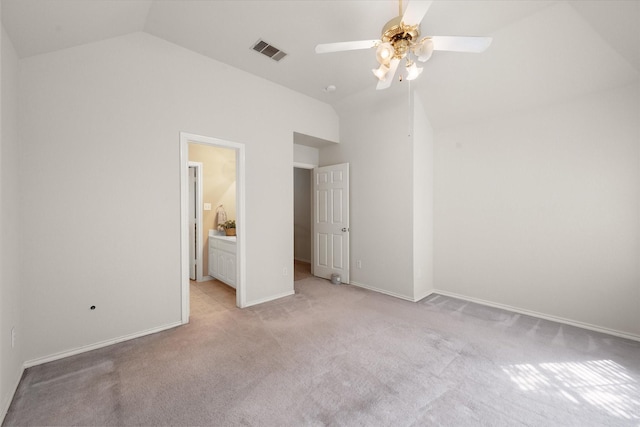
[384,53]
[380,72]
[413,71]
[424,50]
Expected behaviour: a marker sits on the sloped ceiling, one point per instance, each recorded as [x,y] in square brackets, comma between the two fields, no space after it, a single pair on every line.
[41,26]
[543,51]
[550,56]
[617,22]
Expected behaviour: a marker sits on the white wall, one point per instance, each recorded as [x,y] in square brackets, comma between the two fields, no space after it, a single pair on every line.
[422,199]
[375,141]
[540,210]
[10,292]
[305,155]
[90,117]
[388,140]
[302,214]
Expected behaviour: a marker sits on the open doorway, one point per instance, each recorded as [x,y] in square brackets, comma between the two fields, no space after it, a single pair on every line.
[302,221]
[220,252]
[216,208]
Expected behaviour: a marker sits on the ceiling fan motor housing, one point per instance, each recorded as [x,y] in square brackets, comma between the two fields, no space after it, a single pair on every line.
[401,36]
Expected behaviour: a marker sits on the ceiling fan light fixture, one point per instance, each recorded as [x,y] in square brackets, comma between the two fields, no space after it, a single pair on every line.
[381,72]
[424,49]
[413,71]
[384,53]
[401,41]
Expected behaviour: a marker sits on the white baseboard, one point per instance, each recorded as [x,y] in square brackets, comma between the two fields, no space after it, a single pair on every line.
[393,294]
[308,261]
[205,279]
[381,291]
[424,295]
[7,402]
[552,318]
[83,349]
[271,298]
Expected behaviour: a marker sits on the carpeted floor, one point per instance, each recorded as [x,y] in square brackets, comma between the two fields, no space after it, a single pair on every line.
[301,270]
[341,355]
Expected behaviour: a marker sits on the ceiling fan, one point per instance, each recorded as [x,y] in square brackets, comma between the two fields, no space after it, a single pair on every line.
[400,40]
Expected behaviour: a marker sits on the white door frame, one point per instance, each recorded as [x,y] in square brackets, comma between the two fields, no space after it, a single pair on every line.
[199,246]
[185,139]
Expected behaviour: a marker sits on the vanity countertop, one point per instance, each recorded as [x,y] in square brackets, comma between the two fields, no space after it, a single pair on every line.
[212,234]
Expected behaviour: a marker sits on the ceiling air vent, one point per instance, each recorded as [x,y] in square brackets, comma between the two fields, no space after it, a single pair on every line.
[268,50]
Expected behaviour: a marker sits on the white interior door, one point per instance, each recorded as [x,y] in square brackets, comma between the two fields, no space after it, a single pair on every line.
[331,221]
[193,223]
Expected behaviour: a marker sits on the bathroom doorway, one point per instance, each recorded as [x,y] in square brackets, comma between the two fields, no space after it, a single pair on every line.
[216,207]
[222,190]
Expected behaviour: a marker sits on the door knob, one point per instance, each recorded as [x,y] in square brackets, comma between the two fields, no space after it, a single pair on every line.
[344,230]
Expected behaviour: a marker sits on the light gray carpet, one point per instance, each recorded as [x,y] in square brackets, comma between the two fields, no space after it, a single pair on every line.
[340,355]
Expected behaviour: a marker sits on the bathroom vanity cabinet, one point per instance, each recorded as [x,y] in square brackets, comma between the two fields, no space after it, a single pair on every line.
[222,258]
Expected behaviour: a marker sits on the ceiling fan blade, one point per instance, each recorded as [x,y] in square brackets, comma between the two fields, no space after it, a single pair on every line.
[461,44]
[393,67]
[342,46]
[415,11]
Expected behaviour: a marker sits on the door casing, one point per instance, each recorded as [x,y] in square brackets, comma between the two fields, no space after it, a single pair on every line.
[185,139]
[198,216]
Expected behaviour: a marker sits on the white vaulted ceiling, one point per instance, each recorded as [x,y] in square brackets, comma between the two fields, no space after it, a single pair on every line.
[547,57]
[37,26]
[542,50]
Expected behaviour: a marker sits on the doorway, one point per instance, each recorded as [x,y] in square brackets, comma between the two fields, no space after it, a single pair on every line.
[329,219]
[302,220]
[237,261]
[331,222]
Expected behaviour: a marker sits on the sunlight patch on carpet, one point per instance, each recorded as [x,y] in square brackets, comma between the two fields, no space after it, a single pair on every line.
[603,384]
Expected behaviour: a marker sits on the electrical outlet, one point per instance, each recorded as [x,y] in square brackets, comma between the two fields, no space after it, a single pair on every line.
[13,337]
[284,271]
[359,263]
